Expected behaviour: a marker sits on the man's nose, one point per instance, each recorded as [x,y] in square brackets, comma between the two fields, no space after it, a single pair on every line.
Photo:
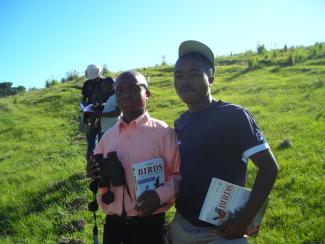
[125,95]
[184,83]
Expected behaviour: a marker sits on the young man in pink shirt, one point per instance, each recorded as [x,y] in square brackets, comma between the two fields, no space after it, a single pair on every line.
[137,137]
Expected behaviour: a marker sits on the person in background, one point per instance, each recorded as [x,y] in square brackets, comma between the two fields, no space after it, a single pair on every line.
[91,93]
[111,112]
[216,139]
[137,138]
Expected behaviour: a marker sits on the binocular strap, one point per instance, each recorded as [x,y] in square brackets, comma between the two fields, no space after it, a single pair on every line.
[95,229]
[124,214]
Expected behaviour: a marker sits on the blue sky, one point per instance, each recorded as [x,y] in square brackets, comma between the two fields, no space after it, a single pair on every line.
[45,39]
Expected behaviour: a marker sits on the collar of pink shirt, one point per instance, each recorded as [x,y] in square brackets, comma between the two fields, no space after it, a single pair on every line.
[141,120]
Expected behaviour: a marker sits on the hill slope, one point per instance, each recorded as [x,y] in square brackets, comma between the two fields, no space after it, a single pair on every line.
[42,153]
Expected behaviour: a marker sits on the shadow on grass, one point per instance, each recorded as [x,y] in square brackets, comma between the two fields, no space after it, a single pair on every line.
[55,194]
[238,74]
[3,131]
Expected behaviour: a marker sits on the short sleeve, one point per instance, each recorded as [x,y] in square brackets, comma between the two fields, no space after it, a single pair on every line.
[110,104]
[99,149]
[171,156]
[250,138]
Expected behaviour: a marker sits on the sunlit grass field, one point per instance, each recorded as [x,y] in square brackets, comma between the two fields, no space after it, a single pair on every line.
[42,165]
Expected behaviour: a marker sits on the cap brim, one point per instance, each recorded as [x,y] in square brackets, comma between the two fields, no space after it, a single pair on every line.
[91,76]
[192,46]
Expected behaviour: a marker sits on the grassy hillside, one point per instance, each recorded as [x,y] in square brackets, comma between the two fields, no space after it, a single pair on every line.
[43,188]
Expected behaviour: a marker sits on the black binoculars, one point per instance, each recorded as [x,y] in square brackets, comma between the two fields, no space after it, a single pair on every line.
[111,173]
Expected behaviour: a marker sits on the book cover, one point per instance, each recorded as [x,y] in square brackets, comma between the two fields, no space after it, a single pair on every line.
[148,175]
[224,201]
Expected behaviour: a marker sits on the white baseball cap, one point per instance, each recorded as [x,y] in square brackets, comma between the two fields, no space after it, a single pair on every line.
[93,71]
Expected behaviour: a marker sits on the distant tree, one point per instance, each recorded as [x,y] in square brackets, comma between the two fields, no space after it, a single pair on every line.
[5,85]
[54,82]
[163,60]
[261,49]
[49,83]
[6,89]
[285,48]
[318,50]
[291,59]
[105,69]
[71,75]
[20,89]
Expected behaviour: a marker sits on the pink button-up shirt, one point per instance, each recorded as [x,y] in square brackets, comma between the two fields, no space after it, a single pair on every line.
[142,139]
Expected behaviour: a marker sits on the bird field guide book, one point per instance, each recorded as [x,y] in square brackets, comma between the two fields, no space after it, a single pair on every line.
[224,201]
[148,175]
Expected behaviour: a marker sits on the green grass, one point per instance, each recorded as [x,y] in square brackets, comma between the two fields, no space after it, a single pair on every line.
[42,153]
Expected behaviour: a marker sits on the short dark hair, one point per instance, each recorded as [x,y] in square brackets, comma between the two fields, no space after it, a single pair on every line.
[207,64]
[135,75]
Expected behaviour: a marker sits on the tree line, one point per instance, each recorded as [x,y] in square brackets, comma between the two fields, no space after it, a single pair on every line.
[6,89]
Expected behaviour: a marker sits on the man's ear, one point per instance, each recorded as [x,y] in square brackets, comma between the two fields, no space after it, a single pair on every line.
[148,93]
[211,79]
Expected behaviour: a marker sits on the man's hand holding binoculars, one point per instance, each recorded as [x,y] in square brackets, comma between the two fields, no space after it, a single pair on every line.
[93,169]
[106,171]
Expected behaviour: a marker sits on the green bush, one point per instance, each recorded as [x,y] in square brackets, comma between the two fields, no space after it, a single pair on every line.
[300,55]
[49,83]
[274,56]
[72,75]
[291,59]
[296,56]
[249,53]
[252,63]
[318,50]
[261,49]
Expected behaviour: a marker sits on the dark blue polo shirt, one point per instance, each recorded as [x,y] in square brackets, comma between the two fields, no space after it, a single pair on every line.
[215,142]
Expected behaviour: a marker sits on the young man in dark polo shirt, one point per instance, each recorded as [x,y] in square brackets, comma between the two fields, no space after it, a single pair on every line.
[216,139]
